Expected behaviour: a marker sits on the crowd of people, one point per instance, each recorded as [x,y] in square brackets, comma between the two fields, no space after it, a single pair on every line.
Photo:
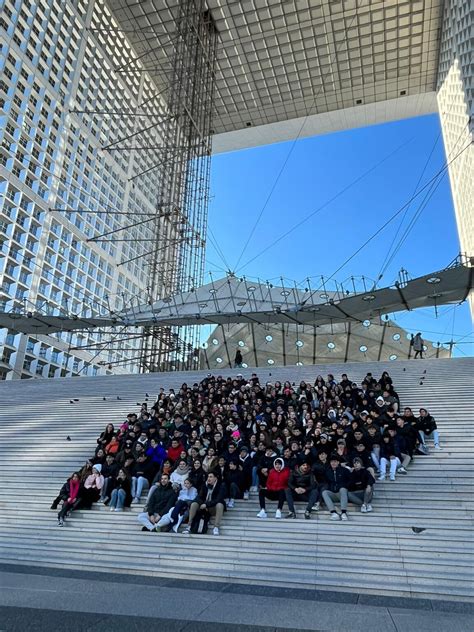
[198,451]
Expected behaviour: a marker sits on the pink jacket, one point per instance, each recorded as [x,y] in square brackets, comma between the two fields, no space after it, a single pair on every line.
[94,481]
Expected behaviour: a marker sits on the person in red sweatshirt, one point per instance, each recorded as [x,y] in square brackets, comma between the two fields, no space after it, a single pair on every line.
[277,482]
[175,449]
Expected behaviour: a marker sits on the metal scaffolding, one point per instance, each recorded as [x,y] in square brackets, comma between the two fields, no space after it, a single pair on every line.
[177,144]
[177,256]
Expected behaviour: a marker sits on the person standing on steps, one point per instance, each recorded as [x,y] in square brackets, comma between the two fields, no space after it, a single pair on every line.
[418,344]
[238,359]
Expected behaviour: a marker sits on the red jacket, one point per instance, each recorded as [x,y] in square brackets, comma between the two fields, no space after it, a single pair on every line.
[174,453]
[277,481]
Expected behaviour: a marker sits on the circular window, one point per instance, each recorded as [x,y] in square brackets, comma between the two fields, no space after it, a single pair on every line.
[425,348]
[215,341]
[368,297]
[202,305]
[366,323]
[241,303]
[251,288]
[363,348]
[433,280]
[241,343]
[331,345]
[167,300]
[393,356]
[324,296]
[213,291]
[269,338]
[396,336]
[285,293]
[219,360]
[245,365]
[299,364]
[299,343]
[270,361]
[205,345]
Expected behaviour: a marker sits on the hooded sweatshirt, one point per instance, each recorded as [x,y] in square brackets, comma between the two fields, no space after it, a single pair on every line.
[278,481]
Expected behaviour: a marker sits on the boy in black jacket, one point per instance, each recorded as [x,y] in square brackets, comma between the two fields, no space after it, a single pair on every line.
[161,501]
[209,503]
[361,484]
[337,478]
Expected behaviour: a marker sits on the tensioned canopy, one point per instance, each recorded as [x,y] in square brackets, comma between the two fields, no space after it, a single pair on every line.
[238,300]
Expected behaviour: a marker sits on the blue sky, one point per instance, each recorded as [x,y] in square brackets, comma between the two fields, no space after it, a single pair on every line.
[398,156]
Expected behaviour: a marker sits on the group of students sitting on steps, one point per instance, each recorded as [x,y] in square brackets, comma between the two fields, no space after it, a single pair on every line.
[198,450]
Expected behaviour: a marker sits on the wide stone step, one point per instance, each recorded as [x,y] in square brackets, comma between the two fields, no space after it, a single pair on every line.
[376,553]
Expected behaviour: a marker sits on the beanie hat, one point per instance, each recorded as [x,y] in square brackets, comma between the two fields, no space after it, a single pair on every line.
[97,467]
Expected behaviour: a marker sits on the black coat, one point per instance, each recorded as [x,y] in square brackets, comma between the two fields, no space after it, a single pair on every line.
[338,478]
[219,494]
[162,499]
[360,479]
[298,479]
[427,424]
[119,483]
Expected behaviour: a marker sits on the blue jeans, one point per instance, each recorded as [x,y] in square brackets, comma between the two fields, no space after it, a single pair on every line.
[427,435]
[117,500]
[254,476]
[138,485]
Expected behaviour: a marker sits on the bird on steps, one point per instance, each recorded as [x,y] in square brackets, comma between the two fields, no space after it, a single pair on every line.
[418,529]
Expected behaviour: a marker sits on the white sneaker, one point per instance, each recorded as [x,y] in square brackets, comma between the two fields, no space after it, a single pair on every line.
[381,477]
[263,514]
[112,509]
[368,508]
[402,470]
[392,477]
[246,495]
[230,504]
[335,516]
[215,531]
[118,509]
[178,524]
[316,506]
[136,500]
[344,516]
[278,513]
[363,509]
[254,489]
[438,447]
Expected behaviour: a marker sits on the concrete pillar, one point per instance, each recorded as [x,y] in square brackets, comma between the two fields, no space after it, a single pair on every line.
[455,93]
